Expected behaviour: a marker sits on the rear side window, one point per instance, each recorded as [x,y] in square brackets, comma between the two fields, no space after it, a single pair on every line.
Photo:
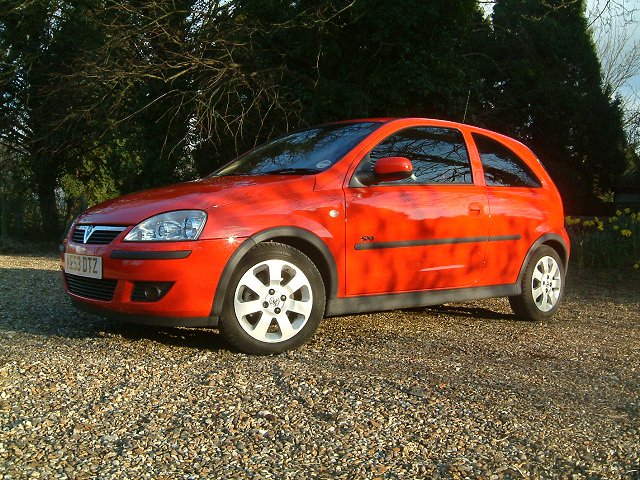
[438,155]
[502,167]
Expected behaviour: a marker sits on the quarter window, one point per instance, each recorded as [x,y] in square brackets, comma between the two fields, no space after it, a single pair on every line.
[438,155]
[502,167]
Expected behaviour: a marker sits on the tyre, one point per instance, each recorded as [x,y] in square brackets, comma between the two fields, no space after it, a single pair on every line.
[274,302]
[542,286]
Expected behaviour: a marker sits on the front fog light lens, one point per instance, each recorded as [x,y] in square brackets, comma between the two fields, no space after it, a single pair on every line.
[170,226]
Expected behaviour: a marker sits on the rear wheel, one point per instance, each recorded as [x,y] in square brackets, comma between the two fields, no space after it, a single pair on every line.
[275,300]
[542,286]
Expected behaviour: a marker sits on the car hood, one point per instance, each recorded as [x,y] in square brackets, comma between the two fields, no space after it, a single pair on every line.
[200,194]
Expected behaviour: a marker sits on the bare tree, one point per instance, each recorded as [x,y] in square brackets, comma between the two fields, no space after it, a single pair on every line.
[202,59]
[616,31]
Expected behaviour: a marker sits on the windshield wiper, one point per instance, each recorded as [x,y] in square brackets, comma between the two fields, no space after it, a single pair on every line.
[230,174]
[284,171]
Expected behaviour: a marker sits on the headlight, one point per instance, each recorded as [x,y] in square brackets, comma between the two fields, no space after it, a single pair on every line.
[170,227]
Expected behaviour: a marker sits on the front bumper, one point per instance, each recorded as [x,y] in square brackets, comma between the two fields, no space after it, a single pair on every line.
[192,268]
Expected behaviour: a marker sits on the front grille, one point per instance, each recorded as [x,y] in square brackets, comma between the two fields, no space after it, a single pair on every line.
[96,235]
[96,289]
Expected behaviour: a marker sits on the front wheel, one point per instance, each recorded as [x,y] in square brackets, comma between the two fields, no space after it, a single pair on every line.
[275,300]
[542,286]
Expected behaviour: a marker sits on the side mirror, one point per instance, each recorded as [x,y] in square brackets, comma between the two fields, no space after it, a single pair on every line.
[390,169]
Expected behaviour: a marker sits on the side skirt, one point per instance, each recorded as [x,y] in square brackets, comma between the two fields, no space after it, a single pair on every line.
[376,303]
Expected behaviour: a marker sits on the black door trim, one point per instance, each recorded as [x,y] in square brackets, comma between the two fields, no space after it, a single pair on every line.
[433,241]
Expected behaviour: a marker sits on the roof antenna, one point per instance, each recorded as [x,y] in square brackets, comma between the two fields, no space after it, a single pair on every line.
[466,106]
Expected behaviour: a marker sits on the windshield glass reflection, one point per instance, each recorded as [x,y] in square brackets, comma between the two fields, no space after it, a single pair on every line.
[308,151]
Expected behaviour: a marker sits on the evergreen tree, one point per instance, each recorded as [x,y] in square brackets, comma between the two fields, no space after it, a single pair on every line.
[40,43]
[381,58]
[544,87]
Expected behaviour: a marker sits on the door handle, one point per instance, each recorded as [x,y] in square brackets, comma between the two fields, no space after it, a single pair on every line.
[476,208]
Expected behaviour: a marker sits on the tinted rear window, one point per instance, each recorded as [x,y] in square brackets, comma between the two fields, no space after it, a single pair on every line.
[502,167]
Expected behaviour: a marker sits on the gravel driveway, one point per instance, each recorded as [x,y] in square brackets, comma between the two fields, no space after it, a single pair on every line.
[458,391]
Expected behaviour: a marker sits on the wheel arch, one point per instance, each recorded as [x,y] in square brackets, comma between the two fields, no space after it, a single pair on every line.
[552,240]
[304,240]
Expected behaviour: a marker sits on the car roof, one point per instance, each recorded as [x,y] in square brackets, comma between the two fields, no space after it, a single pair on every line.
[445,123]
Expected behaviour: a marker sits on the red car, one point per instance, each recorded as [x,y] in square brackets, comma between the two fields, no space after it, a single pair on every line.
[342,218]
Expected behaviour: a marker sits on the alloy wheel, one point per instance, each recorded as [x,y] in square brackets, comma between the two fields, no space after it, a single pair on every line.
[546,283]
[273,301]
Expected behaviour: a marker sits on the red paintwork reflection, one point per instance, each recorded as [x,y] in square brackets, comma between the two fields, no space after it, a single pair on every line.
[205,194]
[398,219]
[408,214]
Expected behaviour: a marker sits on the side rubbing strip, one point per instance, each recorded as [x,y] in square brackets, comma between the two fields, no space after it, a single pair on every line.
[503,238]
[433,241]
[150,255]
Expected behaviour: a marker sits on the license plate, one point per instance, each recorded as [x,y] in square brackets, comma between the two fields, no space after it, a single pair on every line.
[83,265]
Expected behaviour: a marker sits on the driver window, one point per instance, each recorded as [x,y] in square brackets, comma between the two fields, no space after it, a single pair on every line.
[439,155]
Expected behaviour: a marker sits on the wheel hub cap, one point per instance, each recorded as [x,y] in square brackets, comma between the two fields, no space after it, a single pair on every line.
[274,301]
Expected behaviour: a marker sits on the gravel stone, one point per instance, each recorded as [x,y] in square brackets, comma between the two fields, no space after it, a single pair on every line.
[454,391]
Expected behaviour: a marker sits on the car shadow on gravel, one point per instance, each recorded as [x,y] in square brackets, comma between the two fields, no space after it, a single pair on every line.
[197,338]
[33,302]
[467,311]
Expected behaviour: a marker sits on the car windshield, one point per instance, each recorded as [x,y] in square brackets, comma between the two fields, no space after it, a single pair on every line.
[306,152]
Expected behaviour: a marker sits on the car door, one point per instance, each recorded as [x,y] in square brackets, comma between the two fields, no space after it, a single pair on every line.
[428,231]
